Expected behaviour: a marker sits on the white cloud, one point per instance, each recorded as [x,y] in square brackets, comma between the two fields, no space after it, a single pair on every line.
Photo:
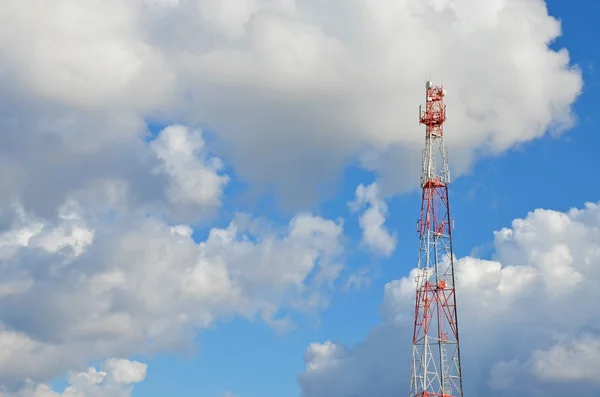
[321,355]
[375,235]
[115,379]
[173,175]
[99,246]
[316,83]
[137,285]
[529,319]
[71,232]
[97,50]
[292,90]
[125,371]
[195,185]
[577,360]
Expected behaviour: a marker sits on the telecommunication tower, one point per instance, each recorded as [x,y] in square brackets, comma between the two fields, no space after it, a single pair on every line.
[436,370]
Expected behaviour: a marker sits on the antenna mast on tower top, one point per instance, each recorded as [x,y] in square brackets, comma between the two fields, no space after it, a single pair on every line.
[436,370]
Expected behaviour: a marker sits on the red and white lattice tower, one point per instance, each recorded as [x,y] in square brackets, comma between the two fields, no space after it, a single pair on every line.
[436,367]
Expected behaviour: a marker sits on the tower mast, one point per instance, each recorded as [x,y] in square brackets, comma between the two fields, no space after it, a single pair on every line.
[436,370]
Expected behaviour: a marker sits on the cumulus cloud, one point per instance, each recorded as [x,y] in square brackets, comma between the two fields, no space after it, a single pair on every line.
[529,319]
[172,173]
[375,235]
[97,50]
[195,185]
[95,236]
[137,285]
[292,90]
[577,360]
[115,379]
[323,82]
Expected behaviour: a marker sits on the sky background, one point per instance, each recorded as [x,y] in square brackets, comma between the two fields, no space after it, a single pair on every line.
[150,115]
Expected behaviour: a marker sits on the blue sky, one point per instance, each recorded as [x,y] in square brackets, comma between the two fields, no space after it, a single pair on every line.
[124,251]
[250,360]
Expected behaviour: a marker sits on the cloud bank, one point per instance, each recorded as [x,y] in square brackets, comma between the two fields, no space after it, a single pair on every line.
[529,319]
[115,379]
[99,217]
[111,272]
[293,90]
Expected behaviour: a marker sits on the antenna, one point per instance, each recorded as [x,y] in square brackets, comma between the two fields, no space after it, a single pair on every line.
[436,368]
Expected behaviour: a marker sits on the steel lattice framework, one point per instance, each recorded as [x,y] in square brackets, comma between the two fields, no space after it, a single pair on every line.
[436,369]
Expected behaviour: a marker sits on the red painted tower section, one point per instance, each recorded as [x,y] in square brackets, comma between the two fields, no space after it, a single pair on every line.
[436,369]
